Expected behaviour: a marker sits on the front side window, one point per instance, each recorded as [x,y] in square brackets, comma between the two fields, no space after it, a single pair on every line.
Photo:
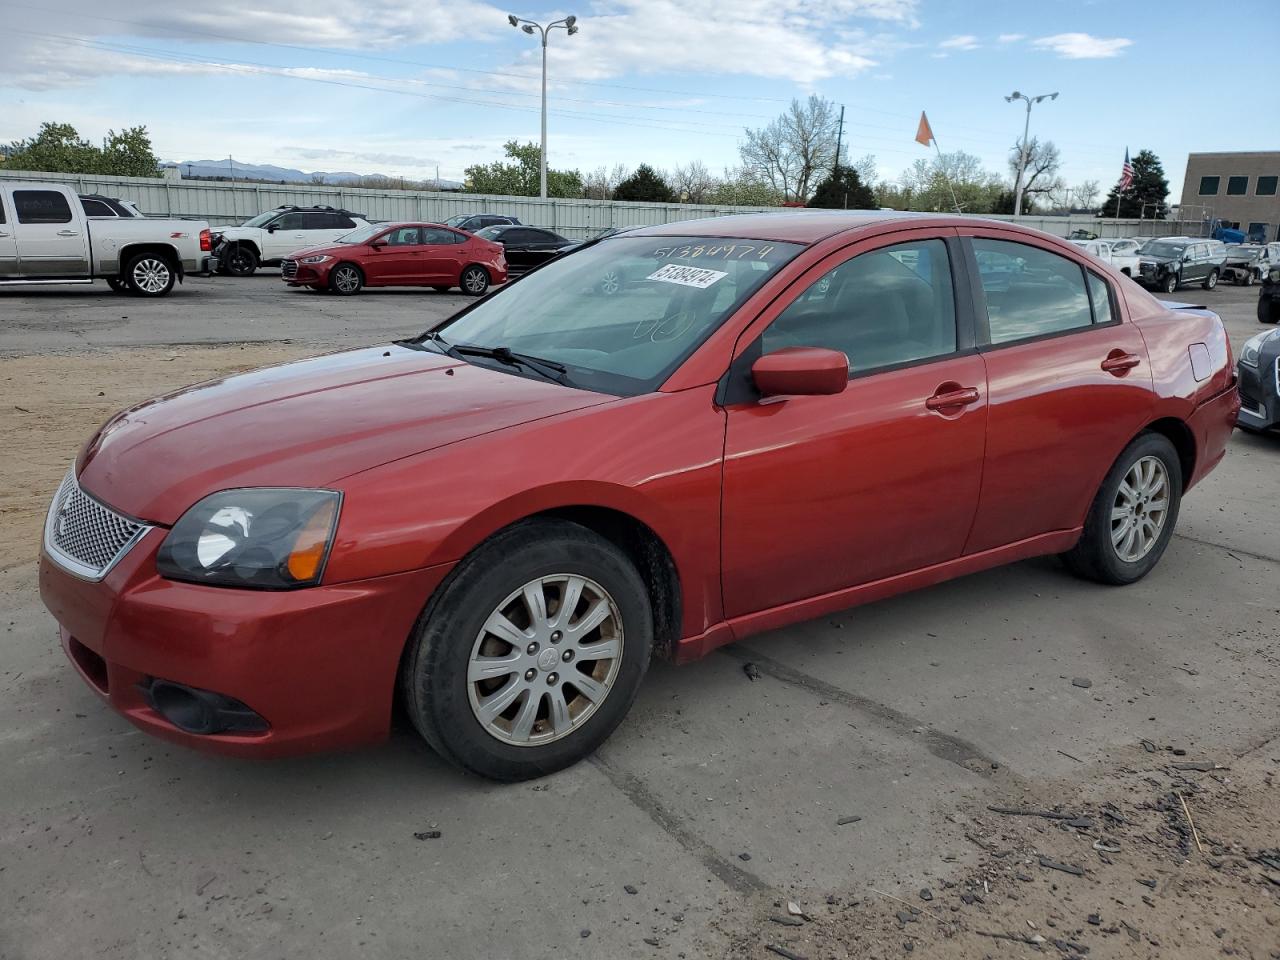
[1209,186]
[1237,186]
[41,206]
[291,221]
[885,307]
[402,237]
[1029,292]
[623,314]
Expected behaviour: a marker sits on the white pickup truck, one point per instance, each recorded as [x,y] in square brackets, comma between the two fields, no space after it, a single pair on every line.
[45,237]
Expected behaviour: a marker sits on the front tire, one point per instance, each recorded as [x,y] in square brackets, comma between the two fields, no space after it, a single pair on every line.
[346,279]
[1170,283]
[1248,278]
[150,275]
[532,652]
[241,261]
[1133,515]
[1268,311]
[1211,280]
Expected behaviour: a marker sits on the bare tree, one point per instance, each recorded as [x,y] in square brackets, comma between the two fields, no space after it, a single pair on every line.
[692,183]
[865,168]
[600,184]
[1086,195]
[1040,175]
[796,150]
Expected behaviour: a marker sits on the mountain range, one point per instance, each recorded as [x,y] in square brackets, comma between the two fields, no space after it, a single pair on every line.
[267,171]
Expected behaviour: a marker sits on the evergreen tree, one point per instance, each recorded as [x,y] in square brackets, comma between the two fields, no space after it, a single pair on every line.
[843,190]
[1149,187]
[645,185]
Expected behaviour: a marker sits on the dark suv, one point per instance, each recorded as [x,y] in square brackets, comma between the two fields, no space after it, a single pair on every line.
[1269,296]
[471,222]
[1168,263]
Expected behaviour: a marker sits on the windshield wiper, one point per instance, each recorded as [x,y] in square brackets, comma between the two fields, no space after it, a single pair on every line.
[547,368]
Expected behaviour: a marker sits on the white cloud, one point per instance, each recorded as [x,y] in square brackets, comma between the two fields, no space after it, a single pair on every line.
[965,41]
[1083,46]
[1011,37]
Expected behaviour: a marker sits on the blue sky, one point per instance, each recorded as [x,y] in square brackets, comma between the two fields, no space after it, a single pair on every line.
[386,86]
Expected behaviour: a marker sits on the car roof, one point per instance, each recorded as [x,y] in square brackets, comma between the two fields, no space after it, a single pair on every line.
[805,227]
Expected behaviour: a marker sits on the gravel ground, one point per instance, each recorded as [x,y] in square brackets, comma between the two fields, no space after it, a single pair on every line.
[719,800]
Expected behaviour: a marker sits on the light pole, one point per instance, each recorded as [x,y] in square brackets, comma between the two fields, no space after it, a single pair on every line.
[1022,147]
[570,26]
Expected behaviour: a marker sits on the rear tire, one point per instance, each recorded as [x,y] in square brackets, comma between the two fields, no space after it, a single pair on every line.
[150,275]
[1125,501]
[346,279]
[474,280]
[1211,280]
[241,261]
[527,716]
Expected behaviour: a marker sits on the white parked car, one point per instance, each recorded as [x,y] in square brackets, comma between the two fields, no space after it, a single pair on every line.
[45,237]
[1115,252]
[1248,263]
[270,237]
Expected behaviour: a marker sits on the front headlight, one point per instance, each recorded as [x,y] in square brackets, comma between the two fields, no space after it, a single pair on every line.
[1252,348]
[262,538]
[318,258]
[1275,274]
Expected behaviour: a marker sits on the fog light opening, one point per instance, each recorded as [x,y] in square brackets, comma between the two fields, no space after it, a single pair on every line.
[201,712]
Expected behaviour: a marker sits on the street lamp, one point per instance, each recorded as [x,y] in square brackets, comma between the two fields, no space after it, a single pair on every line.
[1022,147]
[570,26]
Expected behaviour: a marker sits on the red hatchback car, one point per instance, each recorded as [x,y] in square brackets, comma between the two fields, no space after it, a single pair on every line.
[398,255]
[501,521]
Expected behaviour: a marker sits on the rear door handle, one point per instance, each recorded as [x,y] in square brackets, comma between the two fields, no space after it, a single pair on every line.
[953,398]
[1119,363]
[68,233]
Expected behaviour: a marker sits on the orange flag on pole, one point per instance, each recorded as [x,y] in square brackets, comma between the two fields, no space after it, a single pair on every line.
[924,133]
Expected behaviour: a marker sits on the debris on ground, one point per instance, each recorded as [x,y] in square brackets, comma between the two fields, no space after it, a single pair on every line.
[427,835]
[752,671]
[1083,682]
[845,821]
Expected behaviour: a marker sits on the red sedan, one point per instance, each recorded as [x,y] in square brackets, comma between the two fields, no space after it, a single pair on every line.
[398,255]
[502,521]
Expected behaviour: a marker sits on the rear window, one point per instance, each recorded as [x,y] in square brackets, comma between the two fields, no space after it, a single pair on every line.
[1030,292]
[41,206]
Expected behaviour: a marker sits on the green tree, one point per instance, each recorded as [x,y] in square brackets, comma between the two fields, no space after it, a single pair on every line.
[58,148]
[1149,187]
[647,185]
[843,190]
[521,177]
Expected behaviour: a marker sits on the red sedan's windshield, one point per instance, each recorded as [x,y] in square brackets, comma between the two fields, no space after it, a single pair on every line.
[622,314]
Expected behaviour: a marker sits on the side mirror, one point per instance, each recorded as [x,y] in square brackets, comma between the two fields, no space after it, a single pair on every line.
[271,229]
[801,371]
[378,244]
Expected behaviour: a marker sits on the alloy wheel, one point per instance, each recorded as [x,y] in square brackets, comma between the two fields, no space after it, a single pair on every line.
[346,279]
[1140,509]
[474,280]
[150,275]
[545,660]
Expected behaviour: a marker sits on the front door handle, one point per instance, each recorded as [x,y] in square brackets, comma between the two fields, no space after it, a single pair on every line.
[1118,363]
[68,233]
[953,397]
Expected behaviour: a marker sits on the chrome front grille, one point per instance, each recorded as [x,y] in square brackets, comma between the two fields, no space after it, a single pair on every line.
[84,536]
[288,269]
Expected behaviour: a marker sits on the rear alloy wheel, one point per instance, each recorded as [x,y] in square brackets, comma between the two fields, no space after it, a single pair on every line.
[150,275]
[1211,280]
[241,261]
[1170,283]
[531,653]
[1133,515]
[474,280]
[346,279]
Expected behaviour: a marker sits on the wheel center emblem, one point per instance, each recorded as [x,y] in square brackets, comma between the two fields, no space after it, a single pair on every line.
[548,658]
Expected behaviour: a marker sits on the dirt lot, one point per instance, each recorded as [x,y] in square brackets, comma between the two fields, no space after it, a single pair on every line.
[719,801]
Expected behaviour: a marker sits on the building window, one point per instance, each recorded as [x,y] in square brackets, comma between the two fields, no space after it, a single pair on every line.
[1237,186]
[1209,186]
[1266,186]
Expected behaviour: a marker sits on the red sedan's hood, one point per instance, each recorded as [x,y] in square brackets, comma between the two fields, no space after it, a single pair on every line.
[304,424]
[329,249]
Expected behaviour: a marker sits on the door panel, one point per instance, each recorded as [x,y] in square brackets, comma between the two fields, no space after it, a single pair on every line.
[8,242]
[398,260]
[439,260]
[823,493]
[50,241]
[1056,418]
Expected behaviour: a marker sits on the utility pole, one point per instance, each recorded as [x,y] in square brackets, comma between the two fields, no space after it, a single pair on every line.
[1022,145]
[839,140]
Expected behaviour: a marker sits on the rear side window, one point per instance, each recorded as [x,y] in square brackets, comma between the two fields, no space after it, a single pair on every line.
[96,208]
[41,206]
[1029,292]
[333,221]
[439,236]
[1100,299]
[884,307]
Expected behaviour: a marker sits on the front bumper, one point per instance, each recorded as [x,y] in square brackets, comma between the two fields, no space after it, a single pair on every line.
[1259,395]
[318,665]
[298,274]
[1238,272]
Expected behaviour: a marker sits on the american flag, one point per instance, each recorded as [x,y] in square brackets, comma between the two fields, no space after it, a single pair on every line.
[1126,172]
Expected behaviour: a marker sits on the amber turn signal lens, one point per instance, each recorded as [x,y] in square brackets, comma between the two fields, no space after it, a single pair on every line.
[309,549]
